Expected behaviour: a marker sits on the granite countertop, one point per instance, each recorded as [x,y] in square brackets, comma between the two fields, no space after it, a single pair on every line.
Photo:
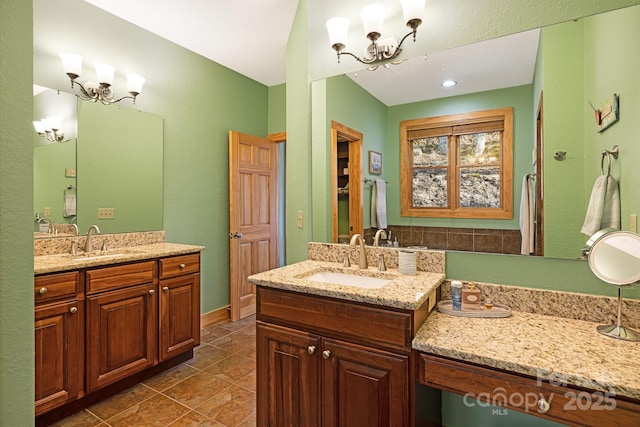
[62,262]
[406,292]
[565,351]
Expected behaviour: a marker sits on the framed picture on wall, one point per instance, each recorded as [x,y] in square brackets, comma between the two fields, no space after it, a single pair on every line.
[375,162]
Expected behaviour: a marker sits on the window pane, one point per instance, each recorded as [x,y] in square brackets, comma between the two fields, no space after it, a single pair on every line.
[430,188]
[480,148]
[433,151]
[480,187]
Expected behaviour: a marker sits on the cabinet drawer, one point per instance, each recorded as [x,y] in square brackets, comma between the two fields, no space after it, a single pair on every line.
[336,318]
[566,404]
[56,286]
[120,276]
[177,265]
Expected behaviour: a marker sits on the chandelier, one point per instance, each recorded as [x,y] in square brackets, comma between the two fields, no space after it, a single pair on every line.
[372,21]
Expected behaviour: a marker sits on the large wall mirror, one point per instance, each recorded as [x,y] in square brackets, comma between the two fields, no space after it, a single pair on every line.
[111,157]
[567,68]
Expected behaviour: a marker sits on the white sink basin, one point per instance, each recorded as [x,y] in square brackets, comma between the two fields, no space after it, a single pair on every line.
[348,279]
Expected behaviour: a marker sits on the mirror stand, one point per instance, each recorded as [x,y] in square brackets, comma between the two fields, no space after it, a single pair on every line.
[618,331]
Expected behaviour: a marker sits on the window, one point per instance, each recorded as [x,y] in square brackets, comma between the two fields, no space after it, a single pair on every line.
[458,166]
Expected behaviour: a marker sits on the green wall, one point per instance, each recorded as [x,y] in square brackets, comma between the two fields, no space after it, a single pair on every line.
[16,214]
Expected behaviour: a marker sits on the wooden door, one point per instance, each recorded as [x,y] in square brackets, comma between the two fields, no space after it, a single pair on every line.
[288,377]
[362,386]
[253,216]
[343,134]
[59,354]
[179,315]
[122,332]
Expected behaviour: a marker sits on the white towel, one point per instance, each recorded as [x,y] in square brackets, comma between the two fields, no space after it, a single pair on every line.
[527,216]
[69,205]
[604,206]
[379,204]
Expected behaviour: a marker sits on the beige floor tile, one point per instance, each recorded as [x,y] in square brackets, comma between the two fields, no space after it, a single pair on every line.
[233,368]
[155,412]
[196,389]
[121,401]
[206,355]
[249,422]
[248,381]
[211,332]
[171,377]
[194,419]
[230,406]
[80,419]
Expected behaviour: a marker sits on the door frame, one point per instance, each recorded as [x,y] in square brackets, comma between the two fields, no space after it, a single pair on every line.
[539,220]
[355,139]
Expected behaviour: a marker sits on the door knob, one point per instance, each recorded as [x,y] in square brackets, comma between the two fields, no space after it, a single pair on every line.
[326,354]
[151,292]
[235,235]
[73,310]
[311,349]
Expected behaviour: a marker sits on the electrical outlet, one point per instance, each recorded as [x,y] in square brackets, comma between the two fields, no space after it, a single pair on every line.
[47,211]
[299,219]
[106,213]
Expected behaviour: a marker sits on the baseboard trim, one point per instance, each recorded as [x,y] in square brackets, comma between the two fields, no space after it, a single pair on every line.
[220,315]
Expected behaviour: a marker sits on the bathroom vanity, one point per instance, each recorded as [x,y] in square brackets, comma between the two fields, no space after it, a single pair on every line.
[342,355]
[106,321]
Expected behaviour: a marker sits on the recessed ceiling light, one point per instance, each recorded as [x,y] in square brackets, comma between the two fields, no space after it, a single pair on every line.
[449,83]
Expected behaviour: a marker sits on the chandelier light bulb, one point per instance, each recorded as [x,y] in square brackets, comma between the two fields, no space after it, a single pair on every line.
[372,20]
[105,73]
[72,64]
[338,29]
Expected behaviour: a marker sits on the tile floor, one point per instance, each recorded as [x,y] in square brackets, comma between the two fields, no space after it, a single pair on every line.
[216,388]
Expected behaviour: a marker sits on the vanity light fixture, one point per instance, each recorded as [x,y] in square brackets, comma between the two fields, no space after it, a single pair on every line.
[100,91]
[372,21]
[49,128]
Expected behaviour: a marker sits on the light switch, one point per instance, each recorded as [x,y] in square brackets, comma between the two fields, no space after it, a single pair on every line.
[299,219]
[47,211]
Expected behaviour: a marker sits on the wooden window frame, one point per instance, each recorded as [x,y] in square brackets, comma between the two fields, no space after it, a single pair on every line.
[505,211]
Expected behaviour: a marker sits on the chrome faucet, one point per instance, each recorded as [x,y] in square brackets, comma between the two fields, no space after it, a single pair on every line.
[50,221]
[357,239]
[87,243]
[379,234]
[75,229]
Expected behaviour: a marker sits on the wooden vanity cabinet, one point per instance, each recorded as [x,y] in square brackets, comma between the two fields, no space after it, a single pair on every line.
[121,322]
[554,401]
[179,304]
[59,340]
[101,328]
[327,362]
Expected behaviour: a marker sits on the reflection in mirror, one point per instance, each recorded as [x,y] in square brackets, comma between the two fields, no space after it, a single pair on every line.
[564,66]
[119,168]
[614,257]
[115,163]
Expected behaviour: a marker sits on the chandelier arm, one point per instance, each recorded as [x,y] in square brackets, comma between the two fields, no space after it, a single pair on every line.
[357,58]
[405,37]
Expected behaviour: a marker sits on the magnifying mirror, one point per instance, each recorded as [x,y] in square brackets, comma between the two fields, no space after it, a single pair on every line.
[614,257]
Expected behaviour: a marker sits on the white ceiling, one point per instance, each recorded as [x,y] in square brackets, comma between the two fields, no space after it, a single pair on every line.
[250,37]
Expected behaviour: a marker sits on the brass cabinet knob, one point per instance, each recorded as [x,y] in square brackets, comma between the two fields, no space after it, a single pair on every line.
[311,349]
[73,310]
[166,288]
[326,354]
[183,265]
[543,405]
[43,290]
[151,292]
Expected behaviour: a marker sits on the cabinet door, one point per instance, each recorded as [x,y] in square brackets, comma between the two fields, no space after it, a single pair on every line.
[287,377]
[59,354]
[362,386]
[179,315]
[121,334]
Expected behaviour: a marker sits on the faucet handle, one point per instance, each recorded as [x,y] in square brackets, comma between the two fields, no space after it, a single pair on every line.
[345,261]
[74,247]
[381,264]
[105,246]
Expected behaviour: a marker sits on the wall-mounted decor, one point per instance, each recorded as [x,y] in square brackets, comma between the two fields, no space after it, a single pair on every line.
[375,162]
[608,114]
